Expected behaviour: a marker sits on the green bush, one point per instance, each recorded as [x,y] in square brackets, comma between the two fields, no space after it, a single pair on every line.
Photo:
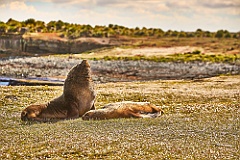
[112,30]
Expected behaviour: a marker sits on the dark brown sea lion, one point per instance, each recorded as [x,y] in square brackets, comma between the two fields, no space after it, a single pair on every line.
[77,98]
[126,109]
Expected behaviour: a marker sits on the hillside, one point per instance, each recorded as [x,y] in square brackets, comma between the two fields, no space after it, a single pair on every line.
[33,36]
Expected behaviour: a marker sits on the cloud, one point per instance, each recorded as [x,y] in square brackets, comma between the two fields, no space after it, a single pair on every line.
[18,5]
[151,3]
[7,1]
[221,3]
[166,14]
[109,2]
[179,4]
[20,10]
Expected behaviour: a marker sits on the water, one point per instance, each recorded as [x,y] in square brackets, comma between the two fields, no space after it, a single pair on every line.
[6,81]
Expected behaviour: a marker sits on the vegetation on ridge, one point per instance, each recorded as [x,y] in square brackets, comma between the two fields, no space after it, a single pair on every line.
[71,30]
[178,58]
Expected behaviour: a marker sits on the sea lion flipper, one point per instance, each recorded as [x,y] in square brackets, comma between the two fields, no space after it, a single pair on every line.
[134,114]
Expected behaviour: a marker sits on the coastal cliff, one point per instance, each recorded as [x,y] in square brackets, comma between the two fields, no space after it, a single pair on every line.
[50,43]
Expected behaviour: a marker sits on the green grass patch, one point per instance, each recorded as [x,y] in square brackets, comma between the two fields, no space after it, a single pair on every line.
[187,57]
[201,121]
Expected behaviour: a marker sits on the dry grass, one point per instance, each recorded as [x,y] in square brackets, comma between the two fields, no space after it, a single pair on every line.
[165,46]
[201,121]
[156,54]
[178,49]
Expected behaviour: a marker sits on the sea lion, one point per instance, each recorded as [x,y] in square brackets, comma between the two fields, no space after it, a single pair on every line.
[125,109]
[77,98]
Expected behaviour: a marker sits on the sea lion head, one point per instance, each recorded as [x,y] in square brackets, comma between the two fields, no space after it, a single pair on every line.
[80,71]
[84,66]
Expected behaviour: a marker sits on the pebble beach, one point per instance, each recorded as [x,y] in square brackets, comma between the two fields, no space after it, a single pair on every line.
[112,71]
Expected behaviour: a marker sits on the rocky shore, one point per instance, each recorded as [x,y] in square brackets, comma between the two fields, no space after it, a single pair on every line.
[112,71]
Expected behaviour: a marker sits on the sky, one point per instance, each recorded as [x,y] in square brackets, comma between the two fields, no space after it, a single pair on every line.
[180,15]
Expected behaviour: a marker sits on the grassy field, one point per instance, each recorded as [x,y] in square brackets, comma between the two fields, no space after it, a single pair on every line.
[201,121]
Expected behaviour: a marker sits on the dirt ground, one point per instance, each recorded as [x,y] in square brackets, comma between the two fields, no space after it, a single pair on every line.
[144,51]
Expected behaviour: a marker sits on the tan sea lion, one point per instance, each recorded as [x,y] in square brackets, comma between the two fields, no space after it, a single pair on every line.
[77,98]
[125,109]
